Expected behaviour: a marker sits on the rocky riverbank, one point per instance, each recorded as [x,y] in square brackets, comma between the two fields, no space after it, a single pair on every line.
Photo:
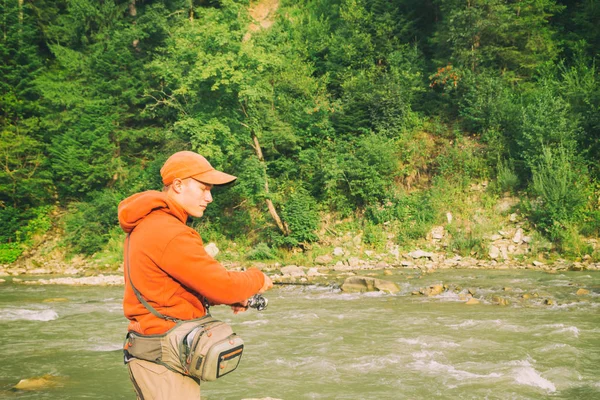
[330,267]
[510,248]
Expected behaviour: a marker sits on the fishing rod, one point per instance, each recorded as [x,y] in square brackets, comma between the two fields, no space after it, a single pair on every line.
[259,302]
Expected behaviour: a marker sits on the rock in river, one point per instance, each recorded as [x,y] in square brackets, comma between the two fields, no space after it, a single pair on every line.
[40,382]
[368,284]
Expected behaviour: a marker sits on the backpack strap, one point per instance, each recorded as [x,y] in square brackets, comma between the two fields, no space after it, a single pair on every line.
[137,292]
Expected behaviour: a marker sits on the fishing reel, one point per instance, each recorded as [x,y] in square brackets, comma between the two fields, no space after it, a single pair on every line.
[258,302]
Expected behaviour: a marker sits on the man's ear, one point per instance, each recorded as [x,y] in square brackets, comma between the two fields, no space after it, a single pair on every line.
[177,185]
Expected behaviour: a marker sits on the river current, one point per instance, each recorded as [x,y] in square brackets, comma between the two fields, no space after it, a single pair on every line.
[316,342]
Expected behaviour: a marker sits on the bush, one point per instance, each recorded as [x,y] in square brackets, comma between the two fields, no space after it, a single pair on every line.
[11,219]
[506,179]
[358,174]
[9,252]
[561,190]
[88,225]
[466,244]
[461,162]
[546,122]
[302,218]
[261,252]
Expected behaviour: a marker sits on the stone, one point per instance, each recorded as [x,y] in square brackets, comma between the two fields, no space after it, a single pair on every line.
[406,263]
[368,284]
[518,236]
[437,233]
[526,239]
[324,259]
[421,254]
[513,217]
[495,237]
[293,270]
[582,292]
[494,252]
[538,263]
[526,296]
[338,252]
[501,301]
[472,301]
[388,272]
[313,272]
[449,217]
[433,290]
[39,383]
[549,302]
[577,267]
[354,261]
[212,249]
[357,240]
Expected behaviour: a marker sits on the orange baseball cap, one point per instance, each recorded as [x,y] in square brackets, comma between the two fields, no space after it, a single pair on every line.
[187,164]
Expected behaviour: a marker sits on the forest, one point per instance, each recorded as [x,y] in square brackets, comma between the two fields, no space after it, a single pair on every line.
[380,117]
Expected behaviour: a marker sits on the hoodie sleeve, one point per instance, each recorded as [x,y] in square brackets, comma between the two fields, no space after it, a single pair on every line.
[186,260]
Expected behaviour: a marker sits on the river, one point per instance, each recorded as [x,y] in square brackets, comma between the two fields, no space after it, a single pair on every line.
[316,342]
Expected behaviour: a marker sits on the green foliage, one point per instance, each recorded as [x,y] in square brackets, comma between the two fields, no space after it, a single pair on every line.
[359,173]
[546,123]
[506,178]
[261,251]
[561,188]
[414,213]
[11,219]
[39,223]
[301,216]
[514,37]
[10,252]
[466,244]
[87,226]
[460,162]
[328,108]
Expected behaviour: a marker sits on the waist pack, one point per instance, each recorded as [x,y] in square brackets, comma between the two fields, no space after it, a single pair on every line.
[203,348]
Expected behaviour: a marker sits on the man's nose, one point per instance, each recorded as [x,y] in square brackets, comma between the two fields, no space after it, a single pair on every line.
[208,196]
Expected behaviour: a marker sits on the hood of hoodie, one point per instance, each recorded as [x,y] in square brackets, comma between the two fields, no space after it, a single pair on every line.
[135,208]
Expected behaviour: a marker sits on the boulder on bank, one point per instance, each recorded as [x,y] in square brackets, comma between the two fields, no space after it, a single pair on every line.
[293,271]
[354,284]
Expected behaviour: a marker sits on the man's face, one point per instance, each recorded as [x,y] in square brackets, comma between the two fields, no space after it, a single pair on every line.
[194,196]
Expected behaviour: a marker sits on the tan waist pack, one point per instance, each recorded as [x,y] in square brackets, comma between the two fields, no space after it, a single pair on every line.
[203,348]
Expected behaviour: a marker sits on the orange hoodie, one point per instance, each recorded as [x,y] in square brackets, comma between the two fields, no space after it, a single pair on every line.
[170,268]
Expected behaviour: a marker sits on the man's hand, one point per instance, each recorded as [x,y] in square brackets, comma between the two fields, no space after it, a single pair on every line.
[266,286]
[240,307]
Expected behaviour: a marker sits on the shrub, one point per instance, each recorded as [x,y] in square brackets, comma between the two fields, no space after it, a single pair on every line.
[300,214]
[9,252]
[11,219]
[546,122]
[261,251]
[506,179]
[461,162]
[88,225]
[561,190]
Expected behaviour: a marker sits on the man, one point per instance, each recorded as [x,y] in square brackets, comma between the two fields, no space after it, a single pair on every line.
[169,266]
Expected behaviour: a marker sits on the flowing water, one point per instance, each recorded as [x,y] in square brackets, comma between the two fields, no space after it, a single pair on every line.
[315,342]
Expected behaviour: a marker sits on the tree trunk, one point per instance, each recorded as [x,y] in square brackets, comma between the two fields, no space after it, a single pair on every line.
[132,8]
[280,224]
